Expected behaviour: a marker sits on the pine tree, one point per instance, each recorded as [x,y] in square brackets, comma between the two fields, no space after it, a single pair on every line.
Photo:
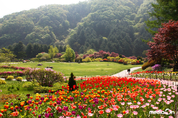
[164,10]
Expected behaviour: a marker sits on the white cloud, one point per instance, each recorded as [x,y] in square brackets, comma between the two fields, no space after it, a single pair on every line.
[11,6]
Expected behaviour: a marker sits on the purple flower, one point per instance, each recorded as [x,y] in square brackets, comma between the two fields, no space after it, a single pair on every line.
[58,102]
[105,99]
[156,66]
[80,107]
[65,108]
[60,110]
[29,102]
[47,115]
[42,98]
[39,116]
[84,98]
[71,98]
[73,112]
[51,114]
[39,102]
[93,105]
[81,93]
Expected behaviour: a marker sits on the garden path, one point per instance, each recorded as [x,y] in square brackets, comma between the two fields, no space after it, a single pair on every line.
[124,73]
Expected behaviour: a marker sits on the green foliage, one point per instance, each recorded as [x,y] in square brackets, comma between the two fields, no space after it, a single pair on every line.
[2,82]
[97,60]
[69,54]
[6,55]
[72,83]
[30,85]
[87,59]
[52,51]
[149,69]
[163,11]
[10,78]
[43,89]
[90,51]
[148,64]
[45,77]
[42,57]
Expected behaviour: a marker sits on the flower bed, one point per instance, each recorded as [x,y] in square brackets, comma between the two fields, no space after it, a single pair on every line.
[101,97]
[156,75]
[13,73]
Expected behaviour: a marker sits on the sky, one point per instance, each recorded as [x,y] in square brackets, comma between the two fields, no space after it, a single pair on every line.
[11,6]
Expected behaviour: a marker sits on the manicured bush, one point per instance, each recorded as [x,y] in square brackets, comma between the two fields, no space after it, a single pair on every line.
[10,78]
[30,85]
[2,82]
[149,69]
[147,64]
[19,78]
[45,77]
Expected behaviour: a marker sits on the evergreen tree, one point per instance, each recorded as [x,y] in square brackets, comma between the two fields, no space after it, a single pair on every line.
[19,50]
[36,49]
[29,50]
[163,11]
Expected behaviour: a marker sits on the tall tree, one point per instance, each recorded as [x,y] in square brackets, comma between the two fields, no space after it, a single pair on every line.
[69,54]
[163,11]
[6,55]
[29,50]
[165,43]
[53,51]
[19,50]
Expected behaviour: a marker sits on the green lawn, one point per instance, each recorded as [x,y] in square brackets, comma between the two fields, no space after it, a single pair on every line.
[82,69]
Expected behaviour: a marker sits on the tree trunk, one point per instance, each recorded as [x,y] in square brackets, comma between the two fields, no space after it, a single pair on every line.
[175,68]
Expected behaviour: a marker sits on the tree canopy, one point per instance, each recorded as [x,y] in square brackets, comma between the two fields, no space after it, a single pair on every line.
[165,43]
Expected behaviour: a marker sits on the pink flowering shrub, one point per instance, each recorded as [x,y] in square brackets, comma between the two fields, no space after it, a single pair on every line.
[45,77]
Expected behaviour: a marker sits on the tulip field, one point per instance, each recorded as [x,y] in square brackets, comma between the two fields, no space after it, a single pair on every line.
[100,97]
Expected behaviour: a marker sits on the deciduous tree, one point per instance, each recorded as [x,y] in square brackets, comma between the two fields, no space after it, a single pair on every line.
[165,43]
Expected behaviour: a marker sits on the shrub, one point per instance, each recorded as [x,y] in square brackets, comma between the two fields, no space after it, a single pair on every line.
[34,59]
[43,89]
[97,59]
[10,78]
[149,69]
[45,77]
[87,59]
[19,78]
[2,82]
[156,67]
[39,64]
[148,64]
[30,85]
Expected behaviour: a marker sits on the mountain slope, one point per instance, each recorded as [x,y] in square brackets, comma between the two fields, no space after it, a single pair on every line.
[110,25]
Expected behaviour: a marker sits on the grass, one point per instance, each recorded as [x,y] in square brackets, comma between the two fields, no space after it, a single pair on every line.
[82,69]
[7,69]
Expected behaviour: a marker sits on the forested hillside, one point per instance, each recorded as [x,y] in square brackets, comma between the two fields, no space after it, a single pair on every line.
[109,25]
